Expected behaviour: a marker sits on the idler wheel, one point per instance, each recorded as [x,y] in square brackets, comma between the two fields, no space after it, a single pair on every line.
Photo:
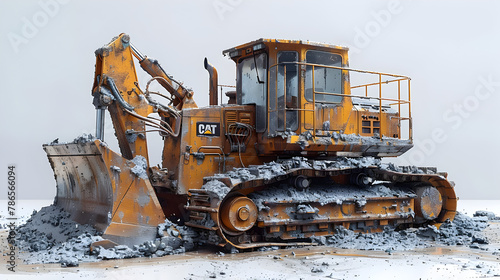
[238,214]
[428,203]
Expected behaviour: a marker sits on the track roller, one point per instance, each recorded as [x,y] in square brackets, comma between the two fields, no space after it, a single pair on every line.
[362,180]
[301,182]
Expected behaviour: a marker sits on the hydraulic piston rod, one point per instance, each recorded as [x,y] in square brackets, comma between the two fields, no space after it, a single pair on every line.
[99,128]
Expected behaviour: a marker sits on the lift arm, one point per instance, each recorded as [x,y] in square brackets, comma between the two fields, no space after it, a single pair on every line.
[116,88]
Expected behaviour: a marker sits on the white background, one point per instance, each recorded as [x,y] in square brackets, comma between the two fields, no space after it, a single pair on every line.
[450,49]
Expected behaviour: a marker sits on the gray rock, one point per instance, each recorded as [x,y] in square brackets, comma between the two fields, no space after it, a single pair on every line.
[488,214]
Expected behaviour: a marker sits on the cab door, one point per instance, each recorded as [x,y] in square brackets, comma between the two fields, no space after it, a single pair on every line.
[323,89]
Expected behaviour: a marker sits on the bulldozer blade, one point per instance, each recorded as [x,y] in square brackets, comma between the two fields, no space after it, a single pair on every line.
[99,187]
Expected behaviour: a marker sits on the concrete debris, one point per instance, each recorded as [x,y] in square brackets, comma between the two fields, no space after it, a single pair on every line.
[116,169]
[266,171]
[140,167]
[324,194]
[48,227]
[404,169]
[306,209]
[326,125]
[490,215]
[50,236]
[328,138]
[280,167]
[389,239]
[217,188]
[462,231]
[316,270]
[84,138]
[169,241]
[69,262]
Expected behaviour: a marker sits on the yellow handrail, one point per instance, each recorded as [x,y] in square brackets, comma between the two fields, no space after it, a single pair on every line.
[399,101]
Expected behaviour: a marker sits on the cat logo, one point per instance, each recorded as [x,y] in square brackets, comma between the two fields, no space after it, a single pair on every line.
[207,129]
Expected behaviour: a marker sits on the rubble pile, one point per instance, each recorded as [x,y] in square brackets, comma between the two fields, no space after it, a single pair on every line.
[50,236]
[463,230]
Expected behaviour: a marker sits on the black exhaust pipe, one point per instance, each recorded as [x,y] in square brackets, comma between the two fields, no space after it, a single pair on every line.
[213,96]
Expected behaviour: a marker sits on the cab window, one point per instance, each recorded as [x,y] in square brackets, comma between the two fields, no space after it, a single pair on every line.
[251,87]
[326,80]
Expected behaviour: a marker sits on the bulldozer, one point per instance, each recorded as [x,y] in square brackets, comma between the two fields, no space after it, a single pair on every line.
[296,152]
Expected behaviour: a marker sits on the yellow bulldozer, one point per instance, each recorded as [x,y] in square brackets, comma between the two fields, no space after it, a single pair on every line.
[296,152]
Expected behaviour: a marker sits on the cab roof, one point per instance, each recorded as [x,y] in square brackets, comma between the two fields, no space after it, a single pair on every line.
[282,41]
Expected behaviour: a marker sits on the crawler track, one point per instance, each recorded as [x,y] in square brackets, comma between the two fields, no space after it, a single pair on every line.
[260,206]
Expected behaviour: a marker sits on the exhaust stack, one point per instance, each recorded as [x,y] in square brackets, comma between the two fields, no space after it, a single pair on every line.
[213,99]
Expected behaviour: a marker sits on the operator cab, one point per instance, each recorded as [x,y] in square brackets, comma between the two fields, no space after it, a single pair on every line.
[280,76]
